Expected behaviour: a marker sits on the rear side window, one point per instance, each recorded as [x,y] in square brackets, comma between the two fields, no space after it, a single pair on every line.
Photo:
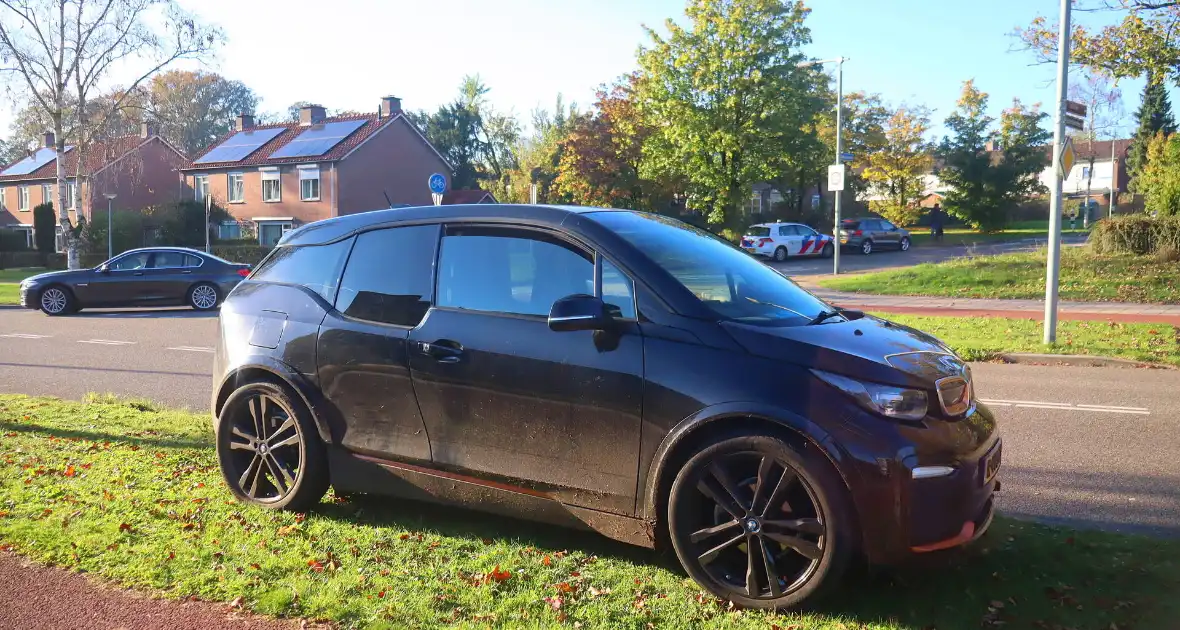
[388,278]
[192,261]
[316,267]
[168,260]
[758,230]
[851,225]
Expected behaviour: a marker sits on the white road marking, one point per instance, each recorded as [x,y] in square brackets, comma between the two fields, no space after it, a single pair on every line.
[107,342]
[192,348]
[1039,404]
[25,336]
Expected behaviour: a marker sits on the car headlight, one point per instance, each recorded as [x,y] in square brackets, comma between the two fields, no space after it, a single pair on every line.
[886,400]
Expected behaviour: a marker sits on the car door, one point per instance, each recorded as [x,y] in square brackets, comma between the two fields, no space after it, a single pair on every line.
[120,284]
[890,234]
[506,398]
[166,279]
[810,242]
[790,235]
[362,351]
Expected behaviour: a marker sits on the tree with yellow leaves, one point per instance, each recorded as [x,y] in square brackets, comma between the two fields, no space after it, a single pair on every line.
[895,173]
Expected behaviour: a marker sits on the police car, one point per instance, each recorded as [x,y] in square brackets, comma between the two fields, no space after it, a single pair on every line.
[782,240]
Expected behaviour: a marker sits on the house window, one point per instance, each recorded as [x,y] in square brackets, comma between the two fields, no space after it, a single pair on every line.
[71,195]
[229,230]
[269,232]
[309,184]
[3,204]
[271,186]
[22,198]
[46,193]
[28,232]
[756,202]
[237,188]
[1085,172]
[200,187]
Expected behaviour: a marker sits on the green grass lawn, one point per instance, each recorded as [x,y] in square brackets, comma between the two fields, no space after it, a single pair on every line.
[1085,276]
[10,281]
[132,494]
[967,236]
[985,338]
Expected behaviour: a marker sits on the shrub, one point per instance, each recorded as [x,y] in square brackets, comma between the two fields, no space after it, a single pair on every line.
[45,225]
[249,254]
[1136,234]
[182,223]
[128,233]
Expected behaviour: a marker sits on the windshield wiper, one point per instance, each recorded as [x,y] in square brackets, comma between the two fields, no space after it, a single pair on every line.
[824,316]
[790,310]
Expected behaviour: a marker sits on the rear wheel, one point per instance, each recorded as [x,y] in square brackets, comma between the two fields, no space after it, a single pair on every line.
[780,254]
[269,450]
[203,296]
[57,300]
[866,247]
[760,524]
[828,251]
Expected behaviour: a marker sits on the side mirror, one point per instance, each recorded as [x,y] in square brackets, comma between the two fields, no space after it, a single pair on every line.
[579,312]
[104,268]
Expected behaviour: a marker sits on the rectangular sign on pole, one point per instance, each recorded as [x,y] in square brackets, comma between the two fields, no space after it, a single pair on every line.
[836,177]
[1073,122]
[1075,108]
[846,157]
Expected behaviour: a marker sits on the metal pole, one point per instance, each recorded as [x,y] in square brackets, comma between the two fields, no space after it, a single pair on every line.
[1114,170]
[110,234]
[208,203]
[1053,264]
[839,150]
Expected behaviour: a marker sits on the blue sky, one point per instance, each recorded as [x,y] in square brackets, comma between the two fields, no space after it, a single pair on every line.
[348,53]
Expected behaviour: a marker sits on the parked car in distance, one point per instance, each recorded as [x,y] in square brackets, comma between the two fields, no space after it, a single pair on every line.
[868,235]
[153,276]
[605,369]
[783,240]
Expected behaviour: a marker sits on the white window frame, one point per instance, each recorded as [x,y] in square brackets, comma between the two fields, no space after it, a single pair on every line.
[286,224]
[71,190]
[3,203]
[272,175]
[47,193]
[200,187]
[30,242]
[229,187]
[22,199]
[309,173]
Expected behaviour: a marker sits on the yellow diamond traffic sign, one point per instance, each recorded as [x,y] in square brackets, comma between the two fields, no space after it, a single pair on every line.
[1068,158]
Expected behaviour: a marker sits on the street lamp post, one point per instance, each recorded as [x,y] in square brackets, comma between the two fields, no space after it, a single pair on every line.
[110,234]
[839,61]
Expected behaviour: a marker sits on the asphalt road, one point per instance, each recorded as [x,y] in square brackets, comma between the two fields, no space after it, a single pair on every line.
[1084,446]
[855,262]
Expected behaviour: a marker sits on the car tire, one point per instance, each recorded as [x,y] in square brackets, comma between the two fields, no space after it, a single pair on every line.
[57,300]
[905,244]
[828,251]
[269,450]
[721,501]
[866,247]
[203,296]
[780,254]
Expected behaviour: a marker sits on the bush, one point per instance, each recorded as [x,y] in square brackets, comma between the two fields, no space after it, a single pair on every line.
[182,223]
[249,254]
[1136,234]
[128,229]
[45,225]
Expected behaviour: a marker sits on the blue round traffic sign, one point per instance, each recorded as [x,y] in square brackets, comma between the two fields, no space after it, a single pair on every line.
[438,183]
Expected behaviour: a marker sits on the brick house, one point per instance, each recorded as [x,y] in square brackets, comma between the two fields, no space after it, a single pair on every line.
[273,177]
[140,170]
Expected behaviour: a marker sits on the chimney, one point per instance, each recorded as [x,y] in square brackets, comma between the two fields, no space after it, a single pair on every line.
[48,140]
[390,106]
[245,121]
[146,130]
[311,115]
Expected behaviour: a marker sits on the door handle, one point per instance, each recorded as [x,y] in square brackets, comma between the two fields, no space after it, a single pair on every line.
[443,351]
[138,273]
[186,271]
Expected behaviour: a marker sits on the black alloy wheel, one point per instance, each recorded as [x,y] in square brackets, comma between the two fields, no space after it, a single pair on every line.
[268,448]
[780,254]
[756,524]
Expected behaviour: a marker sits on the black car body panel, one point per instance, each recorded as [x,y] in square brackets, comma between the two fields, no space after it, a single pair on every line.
[499,412]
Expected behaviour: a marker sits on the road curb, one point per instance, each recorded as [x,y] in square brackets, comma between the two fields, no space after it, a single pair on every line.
[1079,360]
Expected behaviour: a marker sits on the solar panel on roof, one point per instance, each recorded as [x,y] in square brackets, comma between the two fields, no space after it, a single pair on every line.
[319,139]
[240,145]
[33,162]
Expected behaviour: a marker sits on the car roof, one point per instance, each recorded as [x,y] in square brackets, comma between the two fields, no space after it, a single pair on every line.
[166,248]
[329,230]
[780,223]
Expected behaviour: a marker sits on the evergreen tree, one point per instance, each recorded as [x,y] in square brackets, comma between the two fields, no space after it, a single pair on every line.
[1154,116]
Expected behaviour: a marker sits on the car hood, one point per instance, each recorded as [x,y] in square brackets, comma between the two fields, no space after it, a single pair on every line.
[60,276]
[868,348]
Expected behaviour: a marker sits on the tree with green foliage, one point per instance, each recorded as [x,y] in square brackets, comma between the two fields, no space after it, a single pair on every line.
[45,228]
[1154,117]
[984,185]
[896,172]
[1159,177]
[536,157]
[727,98]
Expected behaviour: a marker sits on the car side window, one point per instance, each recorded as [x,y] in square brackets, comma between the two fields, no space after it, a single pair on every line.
[501,270]
[131,262]
[389,275]
[618,291]
[168,260]
[886,226]
[805,230]
[192,261]
[316,267]
[785,230]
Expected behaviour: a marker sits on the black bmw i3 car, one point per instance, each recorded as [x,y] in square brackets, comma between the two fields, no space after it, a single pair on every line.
[604,369]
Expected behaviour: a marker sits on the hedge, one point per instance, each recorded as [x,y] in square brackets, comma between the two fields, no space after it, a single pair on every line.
[249,254]
[1137,234]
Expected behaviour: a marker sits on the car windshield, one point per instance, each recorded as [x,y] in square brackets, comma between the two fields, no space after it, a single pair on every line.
[730,282]
[758,230]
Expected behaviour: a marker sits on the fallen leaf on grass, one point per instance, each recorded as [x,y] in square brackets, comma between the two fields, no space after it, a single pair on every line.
[70,472]
[594,592]
[554,602]
[255,566]
[546,561]
[498,575]
[237,602]
[125,527]
[563,587]
[316,566]
[486,541]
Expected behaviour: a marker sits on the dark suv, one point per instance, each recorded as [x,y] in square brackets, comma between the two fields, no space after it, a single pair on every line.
[867,235]
[603,369]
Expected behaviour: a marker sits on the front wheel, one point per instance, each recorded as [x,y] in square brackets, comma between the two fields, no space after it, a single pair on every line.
[269,450]
[203,296]
[56,300]
[866,247]
[905,244]
[760,524]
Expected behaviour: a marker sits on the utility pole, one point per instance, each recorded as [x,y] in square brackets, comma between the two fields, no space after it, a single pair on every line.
[839,61]
[1114,177]
[1053,264]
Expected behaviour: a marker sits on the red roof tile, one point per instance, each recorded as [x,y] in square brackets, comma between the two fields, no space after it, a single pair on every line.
[291,130]
[98,155]
[456,197]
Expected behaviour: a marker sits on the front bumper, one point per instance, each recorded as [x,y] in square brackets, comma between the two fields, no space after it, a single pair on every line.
[28,296]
